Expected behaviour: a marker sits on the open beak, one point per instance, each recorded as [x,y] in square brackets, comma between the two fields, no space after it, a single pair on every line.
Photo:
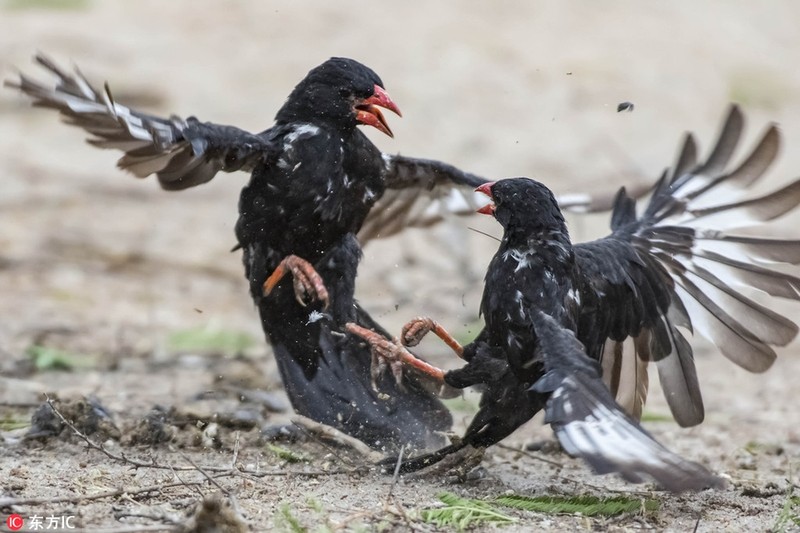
[486,189]
[368,112]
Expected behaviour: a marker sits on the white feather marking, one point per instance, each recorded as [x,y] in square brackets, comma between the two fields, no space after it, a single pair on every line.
[387,160]
[575,296]
[611,436]
[522,257]
[300,131]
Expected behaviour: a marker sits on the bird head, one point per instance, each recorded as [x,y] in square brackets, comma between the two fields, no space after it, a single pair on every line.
[341,92]
[521,203]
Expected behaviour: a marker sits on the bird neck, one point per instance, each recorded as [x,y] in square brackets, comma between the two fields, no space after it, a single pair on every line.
[542,239]
[311,104]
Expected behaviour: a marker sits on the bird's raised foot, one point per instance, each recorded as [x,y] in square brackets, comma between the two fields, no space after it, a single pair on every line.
[415,329]
[308,284]
[389,353]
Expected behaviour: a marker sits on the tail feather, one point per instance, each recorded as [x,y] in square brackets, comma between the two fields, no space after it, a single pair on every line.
[421,461]
[340,395]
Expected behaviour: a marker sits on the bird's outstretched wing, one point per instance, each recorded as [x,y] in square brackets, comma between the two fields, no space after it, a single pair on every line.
[419,193]
[589,424]
[662,273]
[422,192]
[182,153]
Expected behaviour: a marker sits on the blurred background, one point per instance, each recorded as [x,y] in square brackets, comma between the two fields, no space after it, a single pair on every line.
[98,262]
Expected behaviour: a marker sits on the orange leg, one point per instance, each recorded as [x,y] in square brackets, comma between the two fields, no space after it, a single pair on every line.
[418,327]
[306,281]
[391,353]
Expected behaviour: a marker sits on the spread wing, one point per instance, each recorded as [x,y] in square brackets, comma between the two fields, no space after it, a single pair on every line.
[662,274]
[591,425]
[182,153]
[422,192]
[419,193]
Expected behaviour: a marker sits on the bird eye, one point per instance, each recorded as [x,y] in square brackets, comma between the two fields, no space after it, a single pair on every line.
[344,93]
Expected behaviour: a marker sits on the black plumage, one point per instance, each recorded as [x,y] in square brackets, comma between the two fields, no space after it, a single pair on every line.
[315,182]
[655,277]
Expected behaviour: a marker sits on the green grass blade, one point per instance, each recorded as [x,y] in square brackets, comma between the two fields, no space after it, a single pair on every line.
[585,505]
[286,454]
[462,513]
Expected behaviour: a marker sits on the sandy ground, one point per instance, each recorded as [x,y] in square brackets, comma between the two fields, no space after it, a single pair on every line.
[113,269]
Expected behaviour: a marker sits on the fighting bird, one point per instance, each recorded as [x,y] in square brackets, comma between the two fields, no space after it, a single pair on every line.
[316,180]
[628,298]
[318,189]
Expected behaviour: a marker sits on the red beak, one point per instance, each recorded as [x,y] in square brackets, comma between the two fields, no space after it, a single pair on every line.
[486,189]
[367,111]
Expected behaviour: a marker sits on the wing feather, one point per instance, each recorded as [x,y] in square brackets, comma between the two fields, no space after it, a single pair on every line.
[591,425]
[699,278]
[182,153]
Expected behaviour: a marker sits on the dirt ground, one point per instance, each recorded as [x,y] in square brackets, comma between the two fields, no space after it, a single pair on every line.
[134,288]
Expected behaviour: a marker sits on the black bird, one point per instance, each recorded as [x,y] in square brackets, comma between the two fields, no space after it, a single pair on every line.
[654,277]
[315,180]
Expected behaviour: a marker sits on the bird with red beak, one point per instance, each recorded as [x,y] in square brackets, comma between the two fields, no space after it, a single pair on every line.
[316,181]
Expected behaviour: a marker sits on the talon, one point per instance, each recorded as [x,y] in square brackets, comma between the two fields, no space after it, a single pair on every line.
[393,353]
[385,353]
[307,283]
[415,329]
[376,369]
[300,292]
[397,371]
[374,373]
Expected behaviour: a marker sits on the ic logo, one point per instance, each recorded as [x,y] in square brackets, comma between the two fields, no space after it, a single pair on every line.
[15,522]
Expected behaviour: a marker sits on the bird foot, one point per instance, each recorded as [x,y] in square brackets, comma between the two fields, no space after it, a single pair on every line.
[389,353]
[386,354]
[416,328]
[308,284]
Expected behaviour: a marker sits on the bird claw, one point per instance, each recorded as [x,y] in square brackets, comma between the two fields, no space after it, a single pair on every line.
[415,329]
[379,366]
[307,283]
[386,354]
